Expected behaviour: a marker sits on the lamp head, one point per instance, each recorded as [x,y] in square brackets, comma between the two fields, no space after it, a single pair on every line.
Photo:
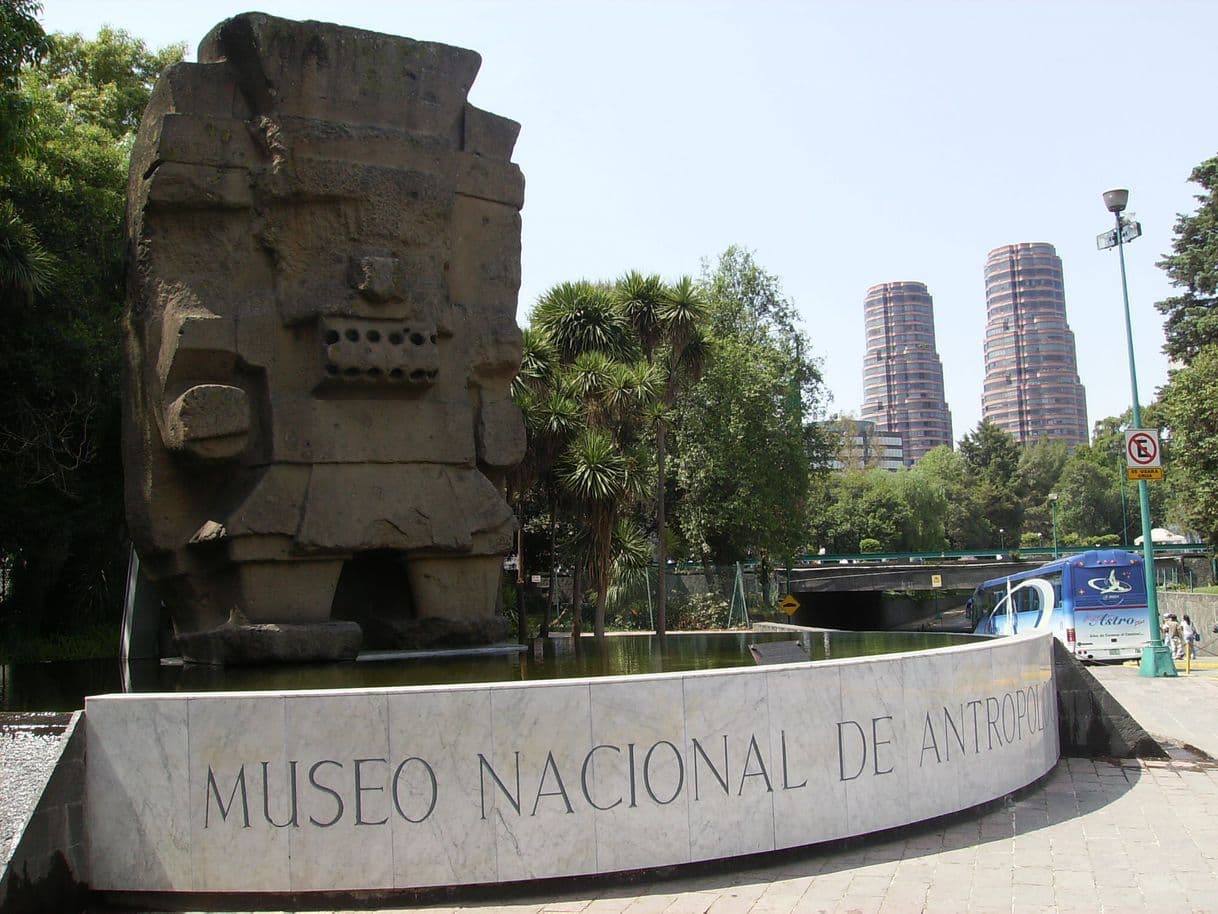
[1116,199]
[1052,496]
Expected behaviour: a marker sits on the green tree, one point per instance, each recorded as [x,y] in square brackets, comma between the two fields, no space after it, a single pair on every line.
[26,267]
[741,459]
[1189,404]
[965,525]
[23,43]
[924,528]
[670,320]
[60,355]
[1107,453]
[1192,316]
[1040,467]
[992,457]
[105,81]
[1088,500]
[585,394]
[865,505]
[744,447]
[1192,339]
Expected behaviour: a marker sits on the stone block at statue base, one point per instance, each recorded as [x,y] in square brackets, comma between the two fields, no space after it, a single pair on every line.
[237,643]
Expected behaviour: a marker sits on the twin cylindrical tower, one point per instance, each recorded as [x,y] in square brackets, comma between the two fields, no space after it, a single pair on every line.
[1031,388]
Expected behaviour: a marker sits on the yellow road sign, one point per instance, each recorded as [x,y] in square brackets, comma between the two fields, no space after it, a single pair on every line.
[1155,473]
[936,580]
[788,605]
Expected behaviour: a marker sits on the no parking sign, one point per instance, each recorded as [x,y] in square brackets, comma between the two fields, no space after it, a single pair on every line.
[1143,458]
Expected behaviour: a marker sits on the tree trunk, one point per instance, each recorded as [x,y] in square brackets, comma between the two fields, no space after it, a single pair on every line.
[552,598]
[522,618]
[602,597]
[661,545]
[764,570]
[577,600]
[708,573]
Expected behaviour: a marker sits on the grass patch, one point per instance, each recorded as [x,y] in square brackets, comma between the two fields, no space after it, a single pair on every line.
[98,641]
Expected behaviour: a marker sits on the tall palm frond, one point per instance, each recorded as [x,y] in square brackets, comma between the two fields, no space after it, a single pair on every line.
[640,476]
[691,360]
[593,469]
[26,267]
[581,317]
[683,310]
[631,558]
[538,362]
[641,300]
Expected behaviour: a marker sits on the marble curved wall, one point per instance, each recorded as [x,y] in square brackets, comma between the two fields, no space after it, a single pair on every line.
[413,787]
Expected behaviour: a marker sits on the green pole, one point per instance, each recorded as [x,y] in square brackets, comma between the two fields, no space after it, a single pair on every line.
[1053,512]
[1156,658]
[1124,513]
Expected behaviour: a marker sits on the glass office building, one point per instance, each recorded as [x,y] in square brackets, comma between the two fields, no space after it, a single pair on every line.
[1031,388]
[902,374]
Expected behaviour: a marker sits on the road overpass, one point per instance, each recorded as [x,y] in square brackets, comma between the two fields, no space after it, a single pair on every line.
[860,595]
[882,594]
[954,574]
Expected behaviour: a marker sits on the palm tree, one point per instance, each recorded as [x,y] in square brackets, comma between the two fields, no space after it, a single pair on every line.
[26,267]
[667,321]
[596,352]
[641,300]
[581,317]
[552,417]
[594,472]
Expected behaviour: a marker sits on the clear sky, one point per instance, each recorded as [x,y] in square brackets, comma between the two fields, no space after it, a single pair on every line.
[844,143]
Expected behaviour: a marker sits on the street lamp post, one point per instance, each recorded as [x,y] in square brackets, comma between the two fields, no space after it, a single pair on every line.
[1002,539]
[1156,658]
[1053,512]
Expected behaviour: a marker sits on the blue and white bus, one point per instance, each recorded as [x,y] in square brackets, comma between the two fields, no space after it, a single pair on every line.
[1094,602]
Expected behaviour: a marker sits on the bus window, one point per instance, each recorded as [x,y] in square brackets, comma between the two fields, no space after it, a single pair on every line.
[1028,597]
[982,604]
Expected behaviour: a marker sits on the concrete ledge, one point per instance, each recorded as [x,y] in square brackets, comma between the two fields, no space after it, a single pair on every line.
[46,868]
[371,791]
[1091,722]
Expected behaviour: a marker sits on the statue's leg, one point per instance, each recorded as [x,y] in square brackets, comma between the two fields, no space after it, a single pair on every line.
[463,588]
[271,607]
[286,592]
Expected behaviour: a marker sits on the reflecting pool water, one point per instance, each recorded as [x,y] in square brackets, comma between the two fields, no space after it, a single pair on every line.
[63,686]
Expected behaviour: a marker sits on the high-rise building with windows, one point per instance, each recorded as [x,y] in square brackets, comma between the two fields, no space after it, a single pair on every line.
[1031,388]
[902,374]
[861,446]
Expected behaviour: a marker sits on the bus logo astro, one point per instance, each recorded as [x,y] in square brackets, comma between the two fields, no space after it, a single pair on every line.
[1109,586]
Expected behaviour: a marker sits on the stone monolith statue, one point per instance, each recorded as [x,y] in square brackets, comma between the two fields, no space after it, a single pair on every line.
[321,336]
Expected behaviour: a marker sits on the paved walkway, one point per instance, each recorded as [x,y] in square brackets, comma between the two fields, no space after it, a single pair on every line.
[1108,837]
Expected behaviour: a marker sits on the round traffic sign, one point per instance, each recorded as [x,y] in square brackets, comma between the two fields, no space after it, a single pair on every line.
[1142,449]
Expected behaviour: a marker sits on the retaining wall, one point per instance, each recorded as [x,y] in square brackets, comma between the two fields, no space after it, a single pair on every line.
[405,788]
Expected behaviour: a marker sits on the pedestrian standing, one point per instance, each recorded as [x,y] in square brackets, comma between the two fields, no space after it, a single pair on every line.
[1192,637]
[1172,636]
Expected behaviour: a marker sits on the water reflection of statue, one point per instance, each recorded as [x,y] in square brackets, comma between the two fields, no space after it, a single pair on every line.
[321,337]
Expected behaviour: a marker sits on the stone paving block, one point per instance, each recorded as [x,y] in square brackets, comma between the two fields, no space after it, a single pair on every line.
[691,903]
[1031,895]
[611,905]
[651,904]
[1033,875]
[730,904]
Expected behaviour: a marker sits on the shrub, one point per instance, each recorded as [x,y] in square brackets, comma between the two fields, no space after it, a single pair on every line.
[701,612]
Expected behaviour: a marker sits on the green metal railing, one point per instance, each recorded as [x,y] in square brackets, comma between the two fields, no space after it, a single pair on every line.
[1036,552]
